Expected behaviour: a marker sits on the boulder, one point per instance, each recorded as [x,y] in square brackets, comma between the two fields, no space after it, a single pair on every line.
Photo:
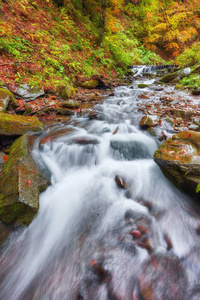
[178,75]
[70,104]
[20,184]
[5,97]
[67,92]
[27,93]
[184,114]
[149,121]
[18,125]
[89,84]
[179,160]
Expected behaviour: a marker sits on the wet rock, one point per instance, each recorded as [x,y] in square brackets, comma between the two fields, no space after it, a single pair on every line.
[179,160]
[178,75]
[143,96]
[170,120]
[149,121]
[86,141]
[64,111]
[193,127]
[5,97]
[185,114]
[163,278]
[142,85]
[27,93]
[18,125]
[130,149]
[120,182]
[70,104]
[196,91]
[156,132]
[21,184]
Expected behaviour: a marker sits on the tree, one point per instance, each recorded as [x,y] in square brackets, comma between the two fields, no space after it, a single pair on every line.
[102,22]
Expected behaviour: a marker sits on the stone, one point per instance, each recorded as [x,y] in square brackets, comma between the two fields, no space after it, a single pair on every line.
[70,104]
[18,125]
[184,114]
[27,93]
[149,121]
[130,149]
[120,182]
[90,84]
[142,85]
[179,160]
[64,111]
[193,127]
[20,184]
[5,97]
[196,91]
[178,75]
[67,92]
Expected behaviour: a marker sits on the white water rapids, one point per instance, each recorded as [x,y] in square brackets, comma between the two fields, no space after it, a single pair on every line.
[79,245]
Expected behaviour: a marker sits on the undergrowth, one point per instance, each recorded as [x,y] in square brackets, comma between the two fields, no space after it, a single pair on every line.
[50,46]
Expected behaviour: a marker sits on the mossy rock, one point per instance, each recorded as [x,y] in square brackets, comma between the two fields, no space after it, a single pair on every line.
[70,104]
[90,84]
[18,125]
[169,77]
[20,184]
[64,111]
[179,160]
[67,92]
[5,97]
[142,85]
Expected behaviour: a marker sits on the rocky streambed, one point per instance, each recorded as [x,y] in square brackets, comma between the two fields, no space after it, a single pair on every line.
[110,225]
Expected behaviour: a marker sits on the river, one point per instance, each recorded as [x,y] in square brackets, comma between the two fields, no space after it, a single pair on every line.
[110,226]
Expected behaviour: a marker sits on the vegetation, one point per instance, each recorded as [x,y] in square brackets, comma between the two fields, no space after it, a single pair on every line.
[49,42]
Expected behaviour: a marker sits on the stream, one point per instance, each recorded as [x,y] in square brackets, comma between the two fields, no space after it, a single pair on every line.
[110,226]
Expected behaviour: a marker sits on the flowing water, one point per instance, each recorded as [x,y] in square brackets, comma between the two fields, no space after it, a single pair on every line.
[110,226]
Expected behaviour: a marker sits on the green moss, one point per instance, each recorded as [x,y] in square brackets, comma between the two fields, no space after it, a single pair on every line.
[142,85]
[18,125]
[20,184]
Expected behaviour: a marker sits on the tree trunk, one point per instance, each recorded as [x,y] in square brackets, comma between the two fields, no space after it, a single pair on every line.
[102,23]
[83,5]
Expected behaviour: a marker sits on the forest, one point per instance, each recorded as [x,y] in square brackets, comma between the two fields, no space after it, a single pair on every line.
[48,43]
[99,149]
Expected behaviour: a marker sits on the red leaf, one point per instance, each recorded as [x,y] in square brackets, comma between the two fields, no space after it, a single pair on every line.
[28,182]
[189,135]
[93,262]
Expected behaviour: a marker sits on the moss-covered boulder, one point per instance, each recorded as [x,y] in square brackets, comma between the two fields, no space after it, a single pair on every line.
[179,160]
[18,125]
[142,85]
[5,97]
[89,84]
[67,92]
[20,184]
[70,104]
[176,75]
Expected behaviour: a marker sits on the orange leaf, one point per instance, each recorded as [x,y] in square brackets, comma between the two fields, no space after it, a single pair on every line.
[93,262]
[28,182]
